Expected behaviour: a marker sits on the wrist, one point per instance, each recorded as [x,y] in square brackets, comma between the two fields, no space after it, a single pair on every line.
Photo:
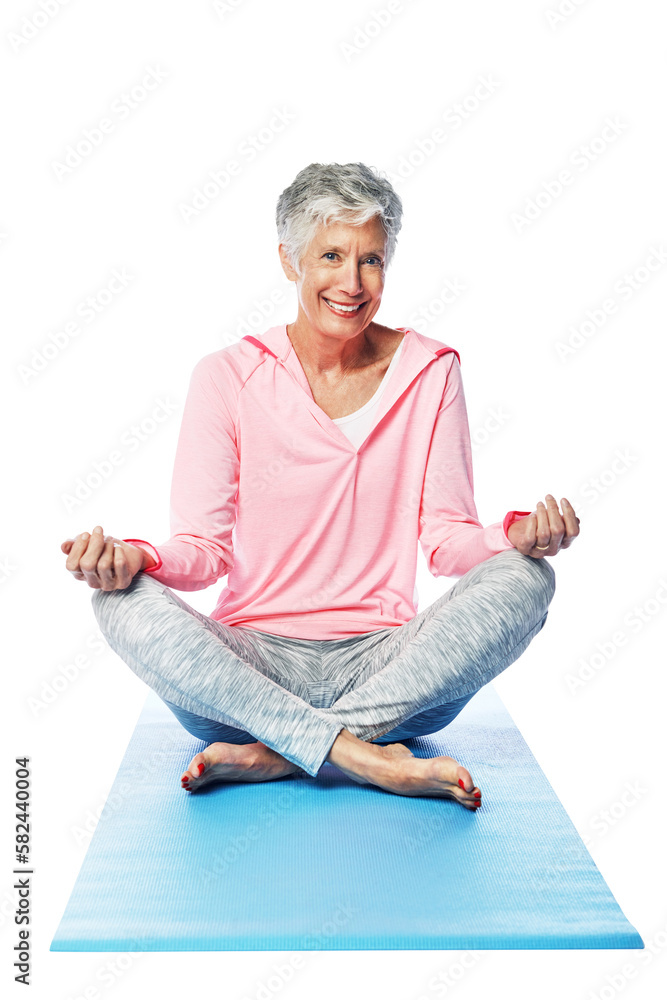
[147,562]
[510,520]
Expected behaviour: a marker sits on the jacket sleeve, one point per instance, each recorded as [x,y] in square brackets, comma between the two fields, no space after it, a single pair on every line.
[451,536]
[203,490]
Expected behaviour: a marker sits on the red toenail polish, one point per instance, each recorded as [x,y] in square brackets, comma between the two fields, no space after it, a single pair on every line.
[478,795]
[461,784]
[202,767]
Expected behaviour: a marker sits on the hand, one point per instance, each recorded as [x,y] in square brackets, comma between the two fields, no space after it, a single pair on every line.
[104,562]
[545,531]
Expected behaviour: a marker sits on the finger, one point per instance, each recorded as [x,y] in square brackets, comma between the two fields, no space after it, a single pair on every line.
[88,561]
[571,523]
[543,532]
[77,549]
[121,569]
[105,565]
[77,574]
[529,525]
[556,523]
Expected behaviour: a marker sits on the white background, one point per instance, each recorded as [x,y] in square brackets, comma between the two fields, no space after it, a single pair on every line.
[588,425]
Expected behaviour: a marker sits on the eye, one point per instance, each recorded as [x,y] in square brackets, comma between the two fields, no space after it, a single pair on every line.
[377,260]
[330,253]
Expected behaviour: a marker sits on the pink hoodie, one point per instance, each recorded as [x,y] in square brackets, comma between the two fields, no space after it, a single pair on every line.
[319,538]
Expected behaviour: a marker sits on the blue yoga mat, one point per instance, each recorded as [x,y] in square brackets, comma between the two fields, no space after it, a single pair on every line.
[305,863]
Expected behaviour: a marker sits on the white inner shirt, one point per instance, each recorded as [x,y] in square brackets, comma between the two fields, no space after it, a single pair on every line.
[356,426]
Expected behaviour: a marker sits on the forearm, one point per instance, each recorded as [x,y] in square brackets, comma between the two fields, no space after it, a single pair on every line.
[460,546]
[185,562]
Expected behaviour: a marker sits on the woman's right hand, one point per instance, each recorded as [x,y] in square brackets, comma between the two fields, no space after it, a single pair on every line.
[104,562]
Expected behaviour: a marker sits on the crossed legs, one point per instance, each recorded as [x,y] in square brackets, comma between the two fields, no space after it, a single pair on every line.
[401,677]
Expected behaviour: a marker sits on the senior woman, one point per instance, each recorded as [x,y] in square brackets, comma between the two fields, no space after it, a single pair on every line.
[311,461]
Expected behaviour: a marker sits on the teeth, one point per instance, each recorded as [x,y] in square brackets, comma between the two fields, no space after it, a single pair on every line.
[340,308]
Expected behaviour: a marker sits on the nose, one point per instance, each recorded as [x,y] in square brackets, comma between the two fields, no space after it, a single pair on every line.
[349,277]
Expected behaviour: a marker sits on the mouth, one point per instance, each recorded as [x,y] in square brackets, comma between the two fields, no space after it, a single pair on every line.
[340,309]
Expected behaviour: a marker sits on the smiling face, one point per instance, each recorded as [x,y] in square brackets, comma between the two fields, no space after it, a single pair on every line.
[342,278]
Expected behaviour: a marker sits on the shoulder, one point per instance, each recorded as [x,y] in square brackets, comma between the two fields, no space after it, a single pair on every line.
[217,379]
[229,367]
[387,335]
[438,347]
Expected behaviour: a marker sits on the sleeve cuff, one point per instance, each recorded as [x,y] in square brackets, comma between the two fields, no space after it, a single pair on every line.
[152,551]
[511,517]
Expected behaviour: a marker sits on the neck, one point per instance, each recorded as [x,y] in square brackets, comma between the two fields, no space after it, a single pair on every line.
[322,354]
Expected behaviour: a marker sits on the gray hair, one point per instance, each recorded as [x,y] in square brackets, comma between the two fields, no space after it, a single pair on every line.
[323,193]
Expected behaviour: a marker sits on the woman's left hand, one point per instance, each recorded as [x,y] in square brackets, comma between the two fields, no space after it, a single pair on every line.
[545,531]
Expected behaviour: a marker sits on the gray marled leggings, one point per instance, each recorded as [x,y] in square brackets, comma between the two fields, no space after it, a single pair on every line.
[237,684]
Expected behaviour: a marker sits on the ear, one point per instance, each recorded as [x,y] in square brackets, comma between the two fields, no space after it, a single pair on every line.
[290,273]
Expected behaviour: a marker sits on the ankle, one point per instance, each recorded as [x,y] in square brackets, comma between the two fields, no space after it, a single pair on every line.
[359,759]
[344,748]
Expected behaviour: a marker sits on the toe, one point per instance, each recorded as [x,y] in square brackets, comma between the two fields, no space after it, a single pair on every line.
[470,795]
[197,766]
[465,781]
[476,800]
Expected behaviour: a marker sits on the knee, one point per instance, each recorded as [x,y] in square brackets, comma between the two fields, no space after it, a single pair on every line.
[531,579]
[105,607]
[539,575]
[110,605]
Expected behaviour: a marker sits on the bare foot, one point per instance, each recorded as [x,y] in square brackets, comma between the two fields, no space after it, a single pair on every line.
[397,770]
[235,762]
[396,750]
